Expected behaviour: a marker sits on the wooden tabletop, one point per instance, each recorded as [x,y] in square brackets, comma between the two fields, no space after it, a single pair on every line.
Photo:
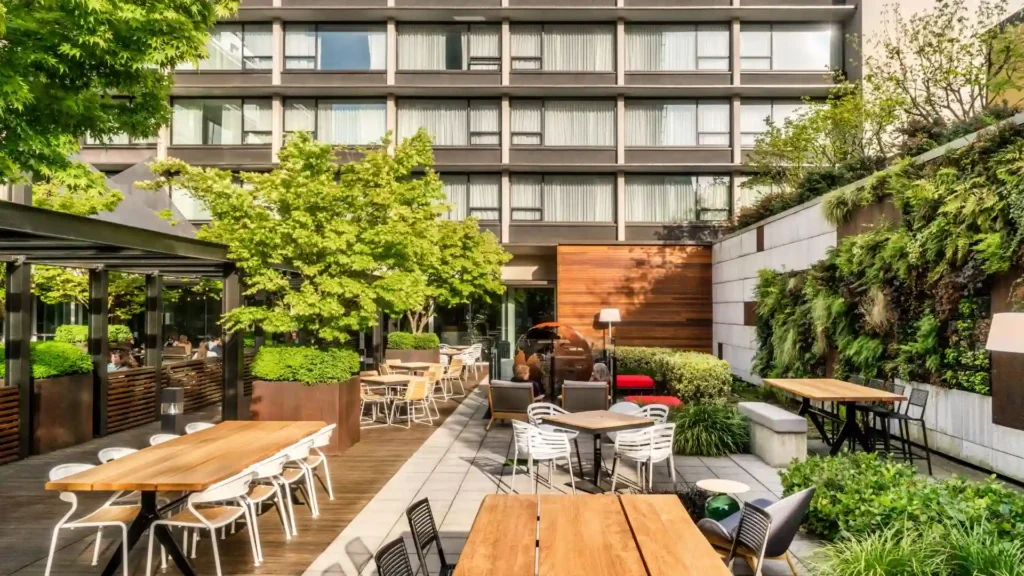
[387,379]
[831,390]
[453,352]
[194,461]
[598,421]
[503,540]
[414,365]
[601,535]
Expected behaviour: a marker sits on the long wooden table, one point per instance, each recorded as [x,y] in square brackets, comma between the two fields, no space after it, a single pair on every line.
[831,390]
[187,464]
[601,535]
[596,423]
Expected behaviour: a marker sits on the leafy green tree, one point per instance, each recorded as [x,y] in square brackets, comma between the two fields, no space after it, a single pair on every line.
[62,62]
[356,234]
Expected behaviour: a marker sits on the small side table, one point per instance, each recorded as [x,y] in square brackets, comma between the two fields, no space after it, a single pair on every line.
[724,503]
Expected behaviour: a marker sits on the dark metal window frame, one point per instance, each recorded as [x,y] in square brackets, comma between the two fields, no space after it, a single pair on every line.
[698,209]
[543,35]
[542,132]
[696,125]
[543,189]
[470,209]
[771,104]
[470,133]
[697,55]
[316,113]
[470,59]
[245,68]
[368,26]
[245,131]
[833,66]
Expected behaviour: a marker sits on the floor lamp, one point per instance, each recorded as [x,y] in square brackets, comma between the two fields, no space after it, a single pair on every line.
[1006,333]
[609,316]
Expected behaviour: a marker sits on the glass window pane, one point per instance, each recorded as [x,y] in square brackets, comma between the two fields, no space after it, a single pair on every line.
[224,47]
[257,121]
[485,122]
[526,47]
[190,207]
[526,122]
[258,48]
[485,196]
[210,122]
[432,47]
[661,48]
[656,198]
[300,47]
[713,122]
[584,123]
[456,189]
[445,120]
[351,122]
[801,47]
[578,198]
[579,48]
[300,115]
[756,41]
[661,123]
[713,40]
[713,197]
[351,48]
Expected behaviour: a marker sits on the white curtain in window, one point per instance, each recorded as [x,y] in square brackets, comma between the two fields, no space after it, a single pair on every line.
[300,115]
[445,120]
[378,40]
[425,47]
[585,123]
[223,122]
[350,122]
[657,123]
[485,42]
[713,123]
[652,198]
[485,122]
[652,48]
[578,198]
[456,187]
[713,197]
[257,121]
[579,48]
[300,47]
[526,196]
[783,110]
[224,47]
[485,196]
[187,123]
[526,122]
[753,120]
[756,47]
[259,46]
[746,195]
[713,46]
[525,47]
[802,46]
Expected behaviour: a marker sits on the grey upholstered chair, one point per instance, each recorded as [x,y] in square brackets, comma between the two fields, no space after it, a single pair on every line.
[509,400]
[787,515]
[585,396]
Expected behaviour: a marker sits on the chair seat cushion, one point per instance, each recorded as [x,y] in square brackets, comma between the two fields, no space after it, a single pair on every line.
[634,381]
[669,401]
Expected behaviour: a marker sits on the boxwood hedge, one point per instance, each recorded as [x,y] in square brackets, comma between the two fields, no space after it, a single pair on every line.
[694,376]
[407,341]
[53,359]
[305,364]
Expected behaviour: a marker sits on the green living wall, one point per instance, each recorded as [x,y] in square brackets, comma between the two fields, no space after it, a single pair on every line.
[906,299]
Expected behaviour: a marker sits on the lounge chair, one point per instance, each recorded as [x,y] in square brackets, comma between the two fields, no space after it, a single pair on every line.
[585,396]
[509,400]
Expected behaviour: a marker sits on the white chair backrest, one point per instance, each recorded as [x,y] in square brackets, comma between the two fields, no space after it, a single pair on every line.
[444,360]
[624,408]
[65,470]
[270,467]
[544,444]
[197,426]
[476,351]
[538,410]
[522,431]
[234,487]
[442,346]
[323,437]
[161,438]
[108,454]
[657,412]
[299,450]
[635,444]
[662,437]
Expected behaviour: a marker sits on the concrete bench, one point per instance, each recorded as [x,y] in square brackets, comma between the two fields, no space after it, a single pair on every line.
[777,436]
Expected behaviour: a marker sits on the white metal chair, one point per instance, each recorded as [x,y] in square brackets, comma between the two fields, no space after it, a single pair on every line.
[318,459]
[656,412]
[217,514]
[536,413]
[299,477]
[161,438]
[197,426]
[107,455]
[106,515]
[113,453]
[646,447]
[416,397]
[267,478]
[474,354]
[540,446]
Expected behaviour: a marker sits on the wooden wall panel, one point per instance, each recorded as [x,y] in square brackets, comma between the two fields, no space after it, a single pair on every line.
[9,423]
[662,292]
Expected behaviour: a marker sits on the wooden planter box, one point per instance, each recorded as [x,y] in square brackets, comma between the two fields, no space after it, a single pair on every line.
[332,403]
[61,412]
[432,356]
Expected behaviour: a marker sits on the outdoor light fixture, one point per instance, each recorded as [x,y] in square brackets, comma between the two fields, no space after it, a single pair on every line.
[610,316]
[172,411]
[1006,333]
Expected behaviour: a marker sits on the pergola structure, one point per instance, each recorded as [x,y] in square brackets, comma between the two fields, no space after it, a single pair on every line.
[31,235]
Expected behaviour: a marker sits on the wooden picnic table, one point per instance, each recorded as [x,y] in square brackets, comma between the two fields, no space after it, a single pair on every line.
[186,464]
[831,390]
[596,423]
[600,535]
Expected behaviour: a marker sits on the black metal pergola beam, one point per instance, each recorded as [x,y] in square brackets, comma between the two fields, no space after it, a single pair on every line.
[18,355]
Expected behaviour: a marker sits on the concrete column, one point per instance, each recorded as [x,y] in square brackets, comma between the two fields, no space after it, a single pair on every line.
[506,129]
[276,127]
[506,49]
[392,49]
[734,53]
[736,139]
[234,393]
[392,122]
[99,349]
[154,335]
[620,206]
[278,53]
[163,140]
[620,50]
[620,129]
[17,339]
[506,206]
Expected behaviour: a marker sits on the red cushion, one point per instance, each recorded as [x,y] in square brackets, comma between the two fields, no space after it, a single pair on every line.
[634,381]
[669,401]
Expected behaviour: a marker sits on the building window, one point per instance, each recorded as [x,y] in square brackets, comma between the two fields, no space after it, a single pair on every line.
[449,47]
[576,123]
[563,47]
[748,195]
[754,116]
[347,122]
[121,140]
[562,198]
[335,47]
[203,121]
[793,47]
[677,47]
[676,198]
[476,195]
[452,122]
[190,207]
[677,123]
[248,47]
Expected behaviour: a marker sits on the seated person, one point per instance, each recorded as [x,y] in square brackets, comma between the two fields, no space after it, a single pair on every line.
[523,375]
[601,373]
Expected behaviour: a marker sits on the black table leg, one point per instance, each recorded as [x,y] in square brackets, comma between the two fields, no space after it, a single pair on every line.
[597,460]
[805,410]
[147,515]
[850,431]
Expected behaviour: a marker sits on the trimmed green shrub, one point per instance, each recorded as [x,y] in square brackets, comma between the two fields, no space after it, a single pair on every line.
[53,359]
[899,550]
[79,334]
[305,364]
[407,341]
[709,430]
[694,376]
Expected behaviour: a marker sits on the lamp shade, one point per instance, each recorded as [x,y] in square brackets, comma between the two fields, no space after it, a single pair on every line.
[609,315]
[1006,333]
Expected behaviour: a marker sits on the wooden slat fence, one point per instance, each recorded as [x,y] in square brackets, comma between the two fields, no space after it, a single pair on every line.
[131,398]
[247,373]
[201,380]
[9,421]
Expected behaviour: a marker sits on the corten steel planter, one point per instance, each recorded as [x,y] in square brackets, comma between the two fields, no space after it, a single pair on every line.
[61,412]
[433,356]
[331,403]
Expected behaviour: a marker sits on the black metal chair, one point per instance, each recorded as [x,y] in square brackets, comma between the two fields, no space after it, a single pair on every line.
[881,416]
[919,401]
[393,559]
[751,537]
[424,535]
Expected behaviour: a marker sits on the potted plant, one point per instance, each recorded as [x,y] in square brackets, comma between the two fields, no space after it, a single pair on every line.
[308,383]
[78,334]
[409,347]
